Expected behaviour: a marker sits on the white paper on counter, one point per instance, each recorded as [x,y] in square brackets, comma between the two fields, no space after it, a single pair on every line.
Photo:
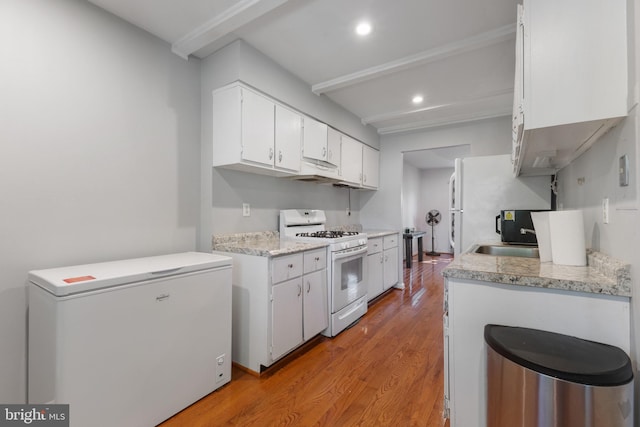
[566,229]
[541,226]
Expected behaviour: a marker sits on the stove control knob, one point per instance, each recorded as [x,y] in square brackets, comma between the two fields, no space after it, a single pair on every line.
[344,245]
[362,242]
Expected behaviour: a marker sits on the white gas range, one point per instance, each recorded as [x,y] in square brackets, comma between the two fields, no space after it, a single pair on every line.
[346,273]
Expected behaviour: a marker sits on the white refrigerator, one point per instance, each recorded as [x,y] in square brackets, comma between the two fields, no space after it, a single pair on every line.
[479,189]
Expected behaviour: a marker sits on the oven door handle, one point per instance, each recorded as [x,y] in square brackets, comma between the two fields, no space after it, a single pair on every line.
[347,254]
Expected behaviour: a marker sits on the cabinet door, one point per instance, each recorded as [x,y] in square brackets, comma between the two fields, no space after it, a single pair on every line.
[390,267]
[370,166]
[288,138]
[351,160]
[375,265]
[257,128]
[286,317]
[315,311]
[334,141]
[314,142]
[575,61]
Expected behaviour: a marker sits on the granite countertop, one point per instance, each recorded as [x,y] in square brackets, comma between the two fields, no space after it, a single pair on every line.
[372,234]
[602,275]
[264,243]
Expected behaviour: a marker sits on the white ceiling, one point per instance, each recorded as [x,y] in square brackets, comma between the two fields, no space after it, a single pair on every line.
[435,158]
[459,54]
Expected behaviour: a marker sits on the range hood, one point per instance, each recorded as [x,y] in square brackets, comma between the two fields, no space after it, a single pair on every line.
[318,179]
[318,173]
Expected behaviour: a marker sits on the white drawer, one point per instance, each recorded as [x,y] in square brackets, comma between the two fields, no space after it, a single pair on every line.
[286,267]
[374,245]
[390,241]
[315,260]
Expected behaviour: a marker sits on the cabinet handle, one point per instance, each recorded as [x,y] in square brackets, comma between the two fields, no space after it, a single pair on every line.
[324,151]
[290,266]
[308,286]
[364,178]
[270,153]
[299,290]
[280,156]
[317,258]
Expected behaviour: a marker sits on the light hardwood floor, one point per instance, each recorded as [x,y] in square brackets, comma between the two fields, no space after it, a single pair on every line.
[387,370]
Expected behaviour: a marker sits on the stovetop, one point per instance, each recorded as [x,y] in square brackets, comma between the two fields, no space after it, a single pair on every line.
[328,234]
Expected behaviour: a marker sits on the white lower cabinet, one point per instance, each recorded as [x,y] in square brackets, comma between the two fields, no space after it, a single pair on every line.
[286,317]
[375,262]
[469,305]
[382,264]
[278,304]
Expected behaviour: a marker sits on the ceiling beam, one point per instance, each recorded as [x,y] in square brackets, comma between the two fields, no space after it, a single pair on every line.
[238,15]
[462,103]
[469,44]
[460,118]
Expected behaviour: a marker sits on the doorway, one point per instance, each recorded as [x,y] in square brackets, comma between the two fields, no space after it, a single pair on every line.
[425,188]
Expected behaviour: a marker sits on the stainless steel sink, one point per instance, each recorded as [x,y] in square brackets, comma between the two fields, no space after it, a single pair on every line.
[507,250]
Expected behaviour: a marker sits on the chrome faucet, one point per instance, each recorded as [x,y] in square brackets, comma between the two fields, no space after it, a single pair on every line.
[527,230]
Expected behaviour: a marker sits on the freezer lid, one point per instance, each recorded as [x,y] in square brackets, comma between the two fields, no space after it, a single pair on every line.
[83,278]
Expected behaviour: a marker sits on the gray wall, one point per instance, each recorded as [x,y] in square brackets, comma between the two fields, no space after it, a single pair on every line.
[100,135]
[224,191]
[434,191]
[382,209]
[590,178]
[594,175]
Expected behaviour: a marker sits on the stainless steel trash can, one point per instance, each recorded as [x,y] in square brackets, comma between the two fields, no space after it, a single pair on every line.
[544,379]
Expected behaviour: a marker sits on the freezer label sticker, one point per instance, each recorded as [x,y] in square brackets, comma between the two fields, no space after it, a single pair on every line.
[509,215]
[78,279]
[54,415]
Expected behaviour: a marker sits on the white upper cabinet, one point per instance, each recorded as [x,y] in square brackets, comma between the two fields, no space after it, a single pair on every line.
[334,142]
[257,128]
[351,169]
[314,140]
[360,164]
[370,167]
[288,131]
[251,132]
[571,82]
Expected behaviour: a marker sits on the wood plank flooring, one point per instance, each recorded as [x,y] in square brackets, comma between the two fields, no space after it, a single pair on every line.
[387,370]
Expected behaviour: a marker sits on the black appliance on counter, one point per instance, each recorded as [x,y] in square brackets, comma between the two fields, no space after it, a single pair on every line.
[516,227]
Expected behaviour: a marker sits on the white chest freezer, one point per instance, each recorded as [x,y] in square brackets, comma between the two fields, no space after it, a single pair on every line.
[130,343]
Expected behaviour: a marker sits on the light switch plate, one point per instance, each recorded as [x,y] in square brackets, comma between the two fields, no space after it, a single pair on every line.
[605,210]
[246,209]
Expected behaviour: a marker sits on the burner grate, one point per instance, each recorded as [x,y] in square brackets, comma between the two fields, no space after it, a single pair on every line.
[328,234]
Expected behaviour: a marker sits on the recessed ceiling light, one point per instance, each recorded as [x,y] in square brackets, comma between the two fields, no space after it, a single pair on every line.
[417,99]
[363,28]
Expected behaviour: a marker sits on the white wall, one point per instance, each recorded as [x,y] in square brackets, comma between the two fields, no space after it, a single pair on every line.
[382,209]
[100,131]
[434,184]
[224,191]
[410,196]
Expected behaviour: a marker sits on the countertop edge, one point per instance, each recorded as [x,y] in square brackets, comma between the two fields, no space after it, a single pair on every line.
[604,275]
[264,244]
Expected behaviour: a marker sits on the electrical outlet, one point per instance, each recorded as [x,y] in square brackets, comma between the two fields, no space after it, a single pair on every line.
[605,210]
[246,209]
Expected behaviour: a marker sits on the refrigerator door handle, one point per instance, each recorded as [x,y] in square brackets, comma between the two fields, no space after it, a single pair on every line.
[451,209]
[497,220]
